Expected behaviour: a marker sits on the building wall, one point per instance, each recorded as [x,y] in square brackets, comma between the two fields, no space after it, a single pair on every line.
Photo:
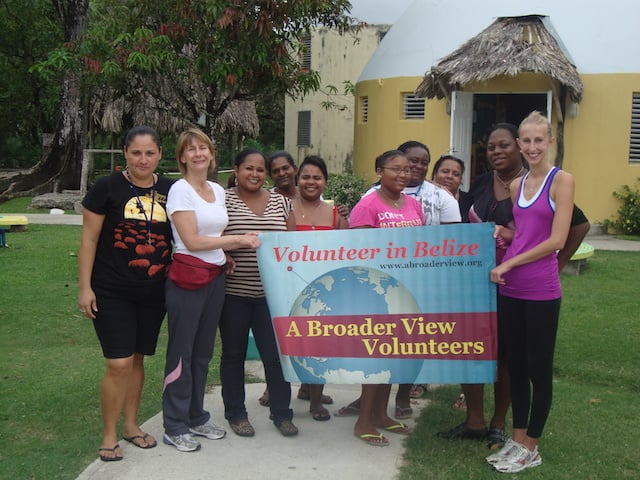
[596,141]
[337,58]
[386,128]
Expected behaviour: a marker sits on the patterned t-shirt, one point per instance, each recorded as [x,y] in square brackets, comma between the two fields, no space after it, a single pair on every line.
[245,280]
[372,211]
[438,205]
[134,246]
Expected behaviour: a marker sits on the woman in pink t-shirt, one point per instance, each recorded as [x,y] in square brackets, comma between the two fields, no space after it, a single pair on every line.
[386,207]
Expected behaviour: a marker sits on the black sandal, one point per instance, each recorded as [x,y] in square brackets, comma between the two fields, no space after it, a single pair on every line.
[463,432]
[496,438]
[105,458]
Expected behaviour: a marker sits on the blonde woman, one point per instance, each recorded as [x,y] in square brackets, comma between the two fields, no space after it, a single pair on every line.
[195,290]
[530,292]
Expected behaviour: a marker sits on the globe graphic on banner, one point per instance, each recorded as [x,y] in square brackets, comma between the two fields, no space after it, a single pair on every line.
[355,291]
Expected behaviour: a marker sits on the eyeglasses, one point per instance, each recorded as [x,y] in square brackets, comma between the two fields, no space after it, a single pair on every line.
[398,170]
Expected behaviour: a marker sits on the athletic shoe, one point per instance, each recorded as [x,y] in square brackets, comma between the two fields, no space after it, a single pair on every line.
[184,442]
[503,453]
[209,430]
[521,459]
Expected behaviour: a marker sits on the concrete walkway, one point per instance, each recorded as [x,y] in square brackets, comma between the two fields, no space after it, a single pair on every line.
[321,451]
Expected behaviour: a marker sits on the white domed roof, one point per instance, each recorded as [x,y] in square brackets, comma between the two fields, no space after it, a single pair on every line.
[599,40]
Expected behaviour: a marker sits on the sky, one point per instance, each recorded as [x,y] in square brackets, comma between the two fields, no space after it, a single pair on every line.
[379,11]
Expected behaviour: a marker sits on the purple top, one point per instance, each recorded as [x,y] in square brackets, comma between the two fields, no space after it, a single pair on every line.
[537,280]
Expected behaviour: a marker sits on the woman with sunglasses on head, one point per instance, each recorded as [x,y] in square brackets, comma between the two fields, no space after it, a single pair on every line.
[284,173]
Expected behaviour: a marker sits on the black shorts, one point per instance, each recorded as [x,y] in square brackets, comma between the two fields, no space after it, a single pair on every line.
[128,324]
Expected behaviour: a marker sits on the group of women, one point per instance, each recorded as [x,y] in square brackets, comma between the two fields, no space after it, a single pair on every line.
[128,282]
[213,280]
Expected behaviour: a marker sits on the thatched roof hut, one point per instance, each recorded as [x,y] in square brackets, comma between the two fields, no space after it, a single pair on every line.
[108,112]
[239,117]
[509,46]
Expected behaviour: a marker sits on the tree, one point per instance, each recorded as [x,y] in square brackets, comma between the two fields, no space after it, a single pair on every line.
[188,58]
[195,58]
[28,103]
[60,168]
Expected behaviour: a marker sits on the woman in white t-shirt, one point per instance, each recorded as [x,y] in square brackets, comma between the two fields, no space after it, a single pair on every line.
[194,290]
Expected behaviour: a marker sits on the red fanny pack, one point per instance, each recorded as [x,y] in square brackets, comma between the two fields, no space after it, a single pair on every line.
[191,273]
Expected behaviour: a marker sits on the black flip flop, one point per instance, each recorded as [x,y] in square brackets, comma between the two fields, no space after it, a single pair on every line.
[144,440]
[104,458]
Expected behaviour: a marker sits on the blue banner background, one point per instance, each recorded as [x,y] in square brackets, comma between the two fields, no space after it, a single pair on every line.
[440,284]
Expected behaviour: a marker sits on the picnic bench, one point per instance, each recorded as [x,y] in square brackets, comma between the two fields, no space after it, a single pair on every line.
[577,261]
[11,223]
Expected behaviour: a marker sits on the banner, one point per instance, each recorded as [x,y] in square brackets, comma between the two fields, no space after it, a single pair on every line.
[397,305]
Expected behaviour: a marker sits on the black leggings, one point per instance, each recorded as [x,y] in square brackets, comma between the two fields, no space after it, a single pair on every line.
[530,336]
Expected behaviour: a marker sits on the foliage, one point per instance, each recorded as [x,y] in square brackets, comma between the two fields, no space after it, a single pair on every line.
[194,58]
[179,62]
[628,220]
[27,102]
[334,97]
[345,189]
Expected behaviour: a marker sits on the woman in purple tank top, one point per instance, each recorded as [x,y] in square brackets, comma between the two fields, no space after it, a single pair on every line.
[529,290]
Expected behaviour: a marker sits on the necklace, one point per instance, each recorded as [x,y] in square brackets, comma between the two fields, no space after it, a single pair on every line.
[395,203]
[202,189]
[149,219]
[416,194]
[313,210]
[508,182]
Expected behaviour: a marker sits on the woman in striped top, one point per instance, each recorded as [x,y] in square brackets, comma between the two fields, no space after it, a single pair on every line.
[251,208]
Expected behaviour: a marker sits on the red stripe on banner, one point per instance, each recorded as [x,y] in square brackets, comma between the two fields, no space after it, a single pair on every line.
[442,336]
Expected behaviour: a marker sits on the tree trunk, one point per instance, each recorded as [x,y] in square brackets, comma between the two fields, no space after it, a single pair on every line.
[60,168]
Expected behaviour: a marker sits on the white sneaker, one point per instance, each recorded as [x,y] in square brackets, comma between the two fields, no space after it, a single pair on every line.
[184,442]
[520,459]
[209,430]
[503,453]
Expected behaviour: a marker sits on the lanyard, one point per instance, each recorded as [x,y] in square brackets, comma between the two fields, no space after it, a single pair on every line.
[148,219]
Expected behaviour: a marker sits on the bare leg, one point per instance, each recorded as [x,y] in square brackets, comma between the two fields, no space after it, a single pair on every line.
[380,407]
[403,399]
[112,396]
[474,396]
[364,424]
[132,401]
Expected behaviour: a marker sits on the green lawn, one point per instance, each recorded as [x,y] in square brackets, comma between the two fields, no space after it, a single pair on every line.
[51,366]
[595,417]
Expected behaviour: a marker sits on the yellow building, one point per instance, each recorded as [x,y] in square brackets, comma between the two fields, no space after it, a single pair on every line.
[311,127]
[496,61]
